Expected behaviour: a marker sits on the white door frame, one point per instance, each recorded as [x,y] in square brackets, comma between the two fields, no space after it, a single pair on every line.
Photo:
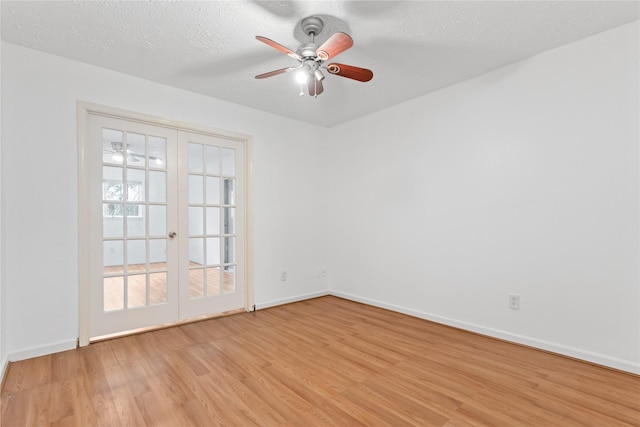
[84,109]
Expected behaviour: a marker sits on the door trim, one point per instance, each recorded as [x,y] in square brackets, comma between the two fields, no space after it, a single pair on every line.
[84,109]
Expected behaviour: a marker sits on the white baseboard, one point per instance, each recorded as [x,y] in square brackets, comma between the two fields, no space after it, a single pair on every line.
[273,303]
[4,364]
[600,359]
[42,351]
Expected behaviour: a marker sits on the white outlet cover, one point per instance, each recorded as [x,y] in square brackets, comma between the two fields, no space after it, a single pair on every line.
[514,301]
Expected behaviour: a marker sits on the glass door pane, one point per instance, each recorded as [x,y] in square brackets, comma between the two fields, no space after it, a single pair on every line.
[134,207]
[206,183]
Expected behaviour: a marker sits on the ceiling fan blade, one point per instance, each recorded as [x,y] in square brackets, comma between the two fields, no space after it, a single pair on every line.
[278,46]
[335,45]
[315,87]
[275,72]
[350,72]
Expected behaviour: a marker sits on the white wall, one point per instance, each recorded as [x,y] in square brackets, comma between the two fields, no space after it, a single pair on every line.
[524,180]
[39,140]
[3,353]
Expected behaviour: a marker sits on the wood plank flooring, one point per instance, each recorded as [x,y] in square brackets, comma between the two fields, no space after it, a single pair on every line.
[325,361]
[137,294]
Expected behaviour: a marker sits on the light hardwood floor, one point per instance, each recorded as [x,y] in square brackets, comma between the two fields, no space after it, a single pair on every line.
[325,361]
[137,295]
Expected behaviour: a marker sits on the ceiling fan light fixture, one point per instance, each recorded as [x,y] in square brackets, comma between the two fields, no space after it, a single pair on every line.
[318,75]
[118,157]
[301,76]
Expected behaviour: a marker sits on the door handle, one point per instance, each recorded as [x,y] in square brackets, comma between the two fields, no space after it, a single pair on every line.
[172,234]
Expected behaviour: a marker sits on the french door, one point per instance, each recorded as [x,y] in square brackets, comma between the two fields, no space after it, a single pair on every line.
[211,213]
[166,224]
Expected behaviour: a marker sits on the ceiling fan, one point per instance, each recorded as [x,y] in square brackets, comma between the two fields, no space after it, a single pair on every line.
[117,152]
[312,57]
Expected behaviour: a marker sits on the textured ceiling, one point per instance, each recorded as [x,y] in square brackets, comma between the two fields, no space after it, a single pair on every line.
[209,47]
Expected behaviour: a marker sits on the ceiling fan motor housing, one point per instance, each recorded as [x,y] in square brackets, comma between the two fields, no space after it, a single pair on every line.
[308,50]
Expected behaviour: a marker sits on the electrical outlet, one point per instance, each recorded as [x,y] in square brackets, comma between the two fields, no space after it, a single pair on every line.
[514,302]
[283,276]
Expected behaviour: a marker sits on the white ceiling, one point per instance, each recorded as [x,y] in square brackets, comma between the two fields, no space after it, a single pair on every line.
[209,47]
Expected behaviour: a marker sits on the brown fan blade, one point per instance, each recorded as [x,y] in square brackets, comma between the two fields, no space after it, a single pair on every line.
[350,72]
[337,43]
[278,46]
[315,87]
[275,72]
